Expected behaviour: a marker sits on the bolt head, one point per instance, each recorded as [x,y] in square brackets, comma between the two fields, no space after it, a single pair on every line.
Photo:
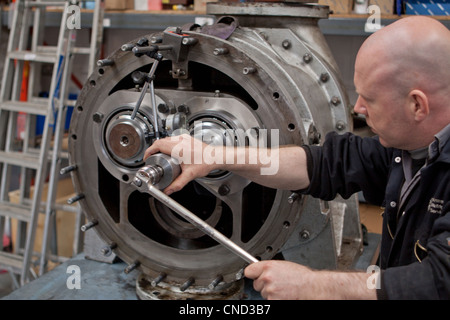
[224,190]
[286,44]
[307,58]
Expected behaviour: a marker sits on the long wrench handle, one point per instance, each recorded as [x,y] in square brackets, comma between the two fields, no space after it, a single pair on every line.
[200,224]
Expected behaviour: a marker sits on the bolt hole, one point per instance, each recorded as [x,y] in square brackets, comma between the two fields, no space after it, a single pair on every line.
[125,178]
[269,249]
[92,83]
[286,224]
[74,137]
[79,108]
[291,127]
[124,141]
[276,96]
[156,293]
[101,71]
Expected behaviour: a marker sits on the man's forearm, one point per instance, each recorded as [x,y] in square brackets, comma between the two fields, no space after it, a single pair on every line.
[280,168]
[346,285]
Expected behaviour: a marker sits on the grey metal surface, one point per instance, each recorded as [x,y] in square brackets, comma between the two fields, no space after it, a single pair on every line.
[99,281]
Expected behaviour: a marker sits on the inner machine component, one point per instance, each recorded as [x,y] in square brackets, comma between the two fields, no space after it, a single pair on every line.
[262,71]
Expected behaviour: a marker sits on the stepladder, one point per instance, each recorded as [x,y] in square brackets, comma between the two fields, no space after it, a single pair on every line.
[33,115]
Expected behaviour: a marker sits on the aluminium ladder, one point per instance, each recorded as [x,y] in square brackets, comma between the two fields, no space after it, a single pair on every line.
[33,157]
[94,52]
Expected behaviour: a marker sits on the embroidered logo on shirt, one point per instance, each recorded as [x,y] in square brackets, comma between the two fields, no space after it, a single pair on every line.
[435,206]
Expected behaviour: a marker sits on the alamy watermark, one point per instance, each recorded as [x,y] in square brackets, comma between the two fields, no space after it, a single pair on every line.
[373,22]
[74,280]
[374,280]
[74,18]
[221,147]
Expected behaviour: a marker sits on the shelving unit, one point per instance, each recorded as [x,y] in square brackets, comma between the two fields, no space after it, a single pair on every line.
[337,24]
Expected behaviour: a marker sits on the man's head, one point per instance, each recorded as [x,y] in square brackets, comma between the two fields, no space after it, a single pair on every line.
[402,76]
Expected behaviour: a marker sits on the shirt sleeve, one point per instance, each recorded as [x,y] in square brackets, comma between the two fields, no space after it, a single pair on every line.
[346,164]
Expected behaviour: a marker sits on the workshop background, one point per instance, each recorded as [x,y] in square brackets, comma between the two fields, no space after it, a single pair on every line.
[125,20]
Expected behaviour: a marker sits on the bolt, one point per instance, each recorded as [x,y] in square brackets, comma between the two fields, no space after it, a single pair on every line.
[158,279]
[340,125]
[105,62]
[127,47]
[286,44]
[67,169]
[156,39]
[248,70]
[293,197]
[220,51]
[89,225]
[137,182]
[75,198]
[215,282]
[335,100]
[189,41]
[304,235]
[307,58]
[107,250]
[189,282]
[177,73]
[98,117]
[324,77]
[240,274]
[183,108]
[224,190]
[131,267]
[163,108]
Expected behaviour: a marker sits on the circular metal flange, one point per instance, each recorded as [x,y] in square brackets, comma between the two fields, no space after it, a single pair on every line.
[277,96]
[126,138]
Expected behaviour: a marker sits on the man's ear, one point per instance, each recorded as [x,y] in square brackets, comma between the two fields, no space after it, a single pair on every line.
[419,104]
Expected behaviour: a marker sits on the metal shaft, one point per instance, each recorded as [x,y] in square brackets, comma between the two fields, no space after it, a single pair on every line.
[199,223]
[144,90]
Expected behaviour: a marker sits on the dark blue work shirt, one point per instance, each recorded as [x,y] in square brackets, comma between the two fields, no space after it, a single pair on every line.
[415,243]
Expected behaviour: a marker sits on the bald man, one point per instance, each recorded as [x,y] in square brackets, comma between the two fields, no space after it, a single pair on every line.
[402,76]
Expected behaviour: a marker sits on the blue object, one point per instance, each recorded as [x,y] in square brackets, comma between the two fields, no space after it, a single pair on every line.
[428,7]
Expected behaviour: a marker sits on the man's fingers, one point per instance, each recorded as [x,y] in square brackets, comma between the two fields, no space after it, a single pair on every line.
[177,184]
[164,145]
[154,148]
[254,270]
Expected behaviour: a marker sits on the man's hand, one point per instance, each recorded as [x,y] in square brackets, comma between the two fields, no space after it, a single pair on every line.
[285,280]
[186,151]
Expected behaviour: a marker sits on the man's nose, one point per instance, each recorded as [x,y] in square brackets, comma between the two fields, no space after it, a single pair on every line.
[360,107]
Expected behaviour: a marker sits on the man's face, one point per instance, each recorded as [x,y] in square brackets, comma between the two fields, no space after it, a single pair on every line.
[380,102]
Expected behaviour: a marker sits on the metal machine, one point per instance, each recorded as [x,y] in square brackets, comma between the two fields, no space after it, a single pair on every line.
[263,69]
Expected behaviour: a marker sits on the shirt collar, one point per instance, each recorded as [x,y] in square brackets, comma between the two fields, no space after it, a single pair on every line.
[438,144]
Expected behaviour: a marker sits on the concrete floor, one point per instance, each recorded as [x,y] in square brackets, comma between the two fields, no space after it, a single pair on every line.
[6,283]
